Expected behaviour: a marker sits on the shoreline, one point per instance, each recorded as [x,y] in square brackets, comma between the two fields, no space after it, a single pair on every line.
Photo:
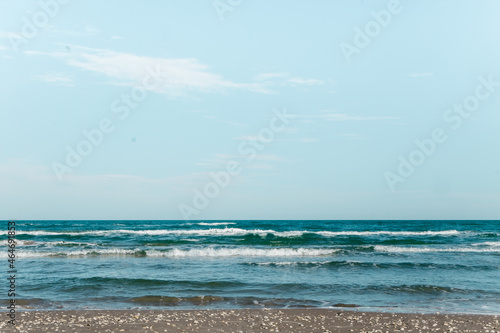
[246,320]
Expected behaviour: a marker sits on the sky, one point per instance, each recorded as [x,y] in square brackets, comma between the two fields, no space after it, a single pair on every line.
[237,109]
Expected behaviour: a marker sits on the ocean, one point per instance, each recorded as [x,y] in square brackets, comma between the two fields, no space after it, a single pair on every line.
[396,266]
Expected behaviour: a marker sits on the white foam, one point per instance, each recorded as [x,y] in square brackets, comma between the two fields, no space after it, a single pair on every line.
[287,263]
[200,232]
[389,233]
[34,243]
[240,232]
[114,251]
[399,249]
[79,253]
[242,252]
[215,223]
[68,243]
[494,244]
[19,242]
[176,253]
[53,233]
[278,263]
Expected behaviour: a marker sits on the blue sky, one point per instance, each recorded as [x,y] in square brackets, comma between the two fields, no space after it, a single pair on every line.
[223,70]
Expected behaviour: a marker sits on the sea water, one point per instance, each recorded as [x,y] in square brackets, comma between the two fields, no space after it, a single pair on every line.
[399,266]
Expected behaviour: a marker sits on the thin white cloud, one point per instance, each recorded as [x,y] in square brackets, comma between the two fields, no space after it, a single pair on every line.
[216,119]
[220,160]
[308,140]
[267,76]
[178,76]
[87,31]
[247,138]
[351,136]
[224,121]
[335,116]
[231,123]
[105,193]
[57,79]
[270,157]
[260,166]
[302,140]
[301,81]
[285,79]
[91,30]
[21,171]
[421,74]
[6,34]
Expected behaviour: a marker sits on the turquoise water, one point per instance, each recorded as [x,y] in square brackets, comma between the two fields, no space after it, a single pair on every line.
[424,266]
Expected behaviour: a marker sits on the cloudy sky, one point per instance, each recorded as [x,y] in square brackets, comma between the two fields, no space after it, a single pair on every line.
[326,110]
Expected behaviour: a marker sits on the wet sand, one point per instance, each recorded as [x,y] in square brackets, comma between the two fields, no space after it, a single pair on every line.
[238,321]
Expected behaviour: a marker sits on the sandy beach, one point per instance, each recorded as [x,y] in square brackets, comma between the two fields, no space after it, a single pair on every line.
[268,320]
